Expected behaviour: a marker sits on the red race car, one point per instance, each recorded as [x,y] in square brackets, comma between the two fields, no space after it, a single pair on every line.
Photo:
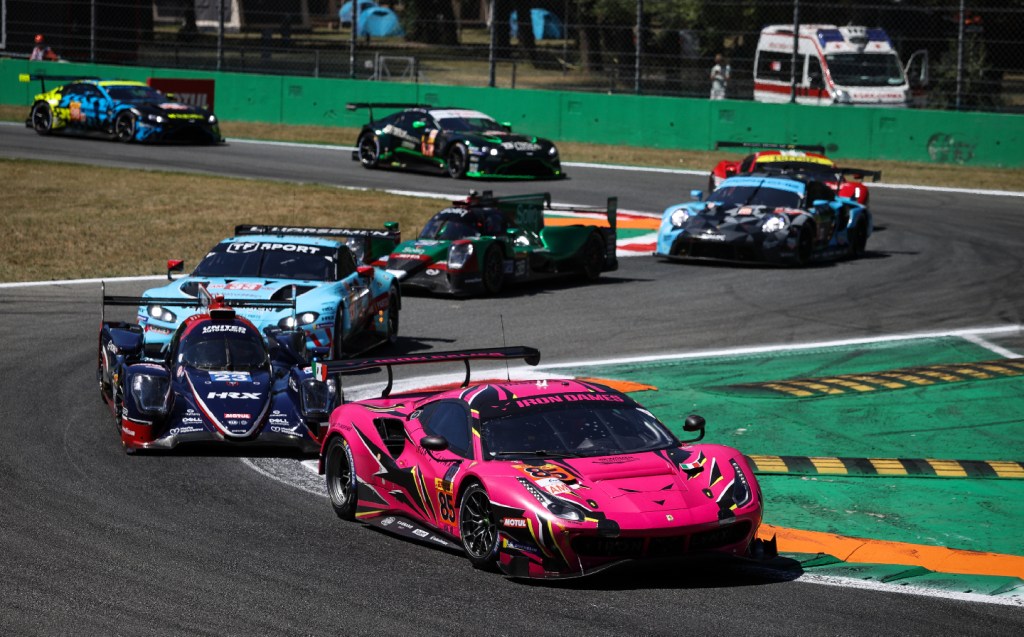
[794,158]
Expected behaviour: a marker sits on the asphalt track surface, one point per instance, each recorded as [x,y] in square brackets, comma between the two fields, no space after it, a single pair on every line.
[94,542]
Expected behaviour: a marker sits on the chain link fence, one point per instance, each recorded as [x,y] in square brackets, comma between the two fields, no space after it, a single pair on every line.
[969,52]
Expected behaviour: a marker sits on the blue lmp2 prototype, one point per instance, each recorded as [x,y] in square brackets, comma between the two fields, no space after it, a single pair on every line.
[218,381]
[342,304]
[773,218]
[123,110]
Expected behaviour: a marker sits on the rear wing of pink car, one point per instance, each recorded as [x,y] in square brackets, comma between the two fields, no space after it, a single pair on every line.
[323,369]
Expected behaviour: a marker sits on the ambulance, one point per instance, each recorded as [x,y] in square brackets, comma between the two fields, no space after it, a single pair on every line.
[835,65]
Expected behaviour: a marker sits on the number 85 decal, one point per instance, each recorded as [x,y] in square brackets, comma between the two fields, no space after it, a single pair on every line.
[445,501]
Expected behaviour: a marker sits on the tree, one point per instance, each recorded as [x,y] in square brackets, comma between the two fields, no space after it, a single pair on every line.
[431,21]
[524,29]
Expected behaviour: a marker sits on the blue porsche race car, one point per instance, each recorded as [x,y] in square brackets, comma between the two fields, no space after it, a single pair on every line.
[123,110]
[218,381]
[342,304]
[772,217]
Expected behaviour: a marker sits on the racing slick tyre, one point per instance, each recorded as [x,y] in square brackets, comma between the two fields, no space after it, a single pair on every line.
[103,376]
[478,528]
[493,271]
[341,478]
[42,118]
[805,245]
[393,303]
[369,151]
[592,257]
[858,237]
[458,161]
[117,401]
[124,127]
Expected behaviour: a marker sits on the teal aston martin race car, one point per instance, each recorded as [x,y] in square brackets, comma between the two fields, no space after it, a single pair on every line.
[342,304]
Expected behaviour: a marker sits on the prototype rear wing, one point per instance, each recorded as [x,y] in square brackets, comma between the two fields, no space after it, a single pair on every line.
[205,300]
[610,209]
[821,174]
[527,211]
[369,106]
[322,369]
[810,148]
[367,244]
[609,234]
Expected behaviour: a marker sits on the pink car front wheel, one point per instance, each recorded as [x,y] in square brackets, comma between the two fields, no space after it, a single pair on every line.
[477,527]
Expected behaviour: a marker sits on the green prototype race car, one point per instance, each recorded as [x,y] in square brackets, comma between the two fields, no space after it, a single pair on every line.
[479,245]
[456,141]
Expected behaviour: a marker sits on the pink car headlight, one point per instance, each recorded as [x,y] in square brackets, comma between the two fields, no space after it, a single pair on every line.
[741,493]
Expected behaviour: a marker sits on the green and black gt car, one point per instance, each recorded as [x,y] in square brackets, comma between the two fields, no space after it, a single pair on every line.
[460,142]
[481,244]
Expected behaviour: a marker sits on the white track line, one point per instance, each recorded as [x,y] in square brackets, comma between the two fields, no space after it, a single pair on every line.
[787,347]
[909,589]
[992,347]
[671,171]
[621,167]
[542,372]
[28,284]
[321,492]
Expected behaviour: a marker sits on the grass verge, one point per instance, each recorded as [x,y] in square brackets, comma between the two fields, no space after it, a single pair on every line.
[59,225]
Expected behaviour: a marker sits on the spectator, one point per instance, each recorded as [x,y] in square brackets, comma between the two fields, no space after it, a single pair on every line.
[719,78]
[42,51]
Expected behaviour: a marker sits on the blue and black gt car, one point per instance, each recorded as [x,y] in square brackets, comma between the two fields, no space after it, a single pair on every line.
[342,303]
[772,218]
[118,109]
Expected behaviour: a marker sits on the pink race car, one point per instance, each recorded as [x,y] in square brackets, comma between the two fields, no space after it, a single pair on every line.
[541,478]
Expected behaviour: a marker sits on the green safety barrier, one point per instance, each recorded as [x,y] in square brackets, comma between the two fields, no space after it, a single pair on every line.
[944,137]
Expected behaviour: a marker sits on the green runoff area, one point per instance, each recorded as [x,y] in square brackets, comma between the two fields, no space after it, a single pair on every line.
[967,404]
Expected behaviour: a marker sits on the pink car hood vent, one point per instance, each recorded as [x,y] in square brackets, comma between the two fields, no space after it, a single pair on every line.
[643,471]
[645,481]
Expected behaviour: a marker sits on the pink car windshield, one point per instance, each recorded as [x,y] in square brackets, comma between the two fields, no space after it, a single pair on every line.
[575,431]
